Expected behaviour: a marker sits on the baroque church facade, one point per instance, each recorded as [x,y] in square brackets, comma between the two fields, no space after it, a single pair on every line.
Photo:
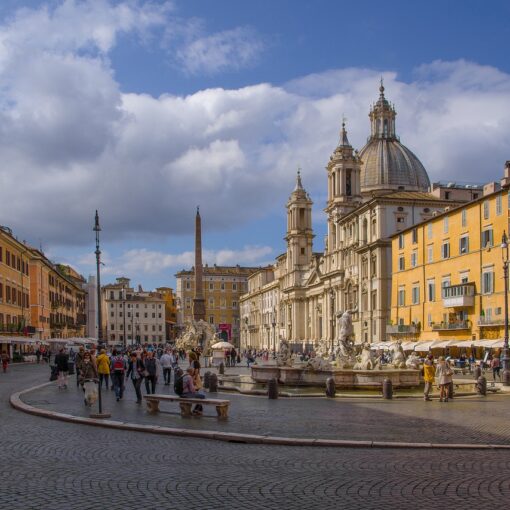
[372,194]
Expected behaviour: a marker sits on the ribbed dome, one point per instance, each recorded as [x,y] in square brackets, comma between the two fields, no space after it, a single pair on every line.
[386,164]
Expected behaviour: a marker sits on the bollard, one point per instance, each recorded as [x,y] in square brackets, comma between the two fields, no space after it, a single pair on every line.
[213,383]
[221,369]
[481,385]
[387,389]
[272,389]
[330,387]
[477,373]
[207,378]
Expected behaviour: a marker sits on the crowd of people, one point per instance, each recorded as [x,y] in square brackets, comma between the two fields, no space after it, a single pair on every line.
[147,365]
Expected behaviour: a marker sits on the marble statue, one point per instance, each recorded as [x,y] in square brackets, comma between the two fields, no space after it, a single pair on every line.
[367,359]
[322,359]
[284,357]
[398,357]
[344,349]
[413,361]
[197,334]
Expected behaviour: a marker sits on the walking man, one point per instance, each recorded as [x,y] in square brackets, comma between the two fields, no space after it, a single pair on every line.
[167,361]
[135,370]
[62,363]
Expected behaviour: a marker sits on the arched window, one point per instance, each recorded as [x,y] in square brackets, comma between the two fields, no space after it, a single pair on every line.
[364,234]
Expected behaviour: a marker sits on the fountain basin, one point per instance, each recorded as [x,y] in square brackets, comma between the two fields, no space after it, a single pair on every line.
[344,378]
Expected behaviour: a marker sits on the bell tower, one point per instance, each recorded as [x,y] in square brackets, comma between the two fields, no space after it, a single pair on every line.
[299,228]
[344,187]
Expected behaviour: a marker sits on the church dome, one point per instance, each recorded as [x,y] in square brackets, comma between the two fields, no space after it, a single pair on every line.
[387,164]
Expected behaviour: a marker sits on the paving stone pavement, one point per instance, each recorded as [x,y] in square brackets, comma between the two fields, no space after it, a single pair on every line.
[46,464]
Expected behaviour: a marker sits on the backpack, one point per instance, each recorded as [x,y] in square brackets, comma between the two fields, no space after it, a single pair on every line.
[118,363]
[179,386]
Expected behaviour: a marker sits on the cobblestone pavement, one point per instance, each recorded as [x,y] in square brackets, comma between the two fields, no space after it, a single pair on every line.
[471,420]
[46,464]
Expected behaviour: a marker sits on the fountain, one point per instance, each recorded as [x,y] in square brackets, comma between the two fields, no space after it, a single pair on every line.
[349,365]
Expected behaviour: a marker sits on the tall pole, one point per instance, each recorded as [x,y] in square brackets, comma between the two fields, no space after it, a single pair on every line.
[97,229]
[504,254]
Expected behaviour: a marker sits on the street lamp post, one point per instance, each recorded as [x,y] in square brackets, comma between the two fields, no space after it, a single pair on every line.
[505,257]
[97,229]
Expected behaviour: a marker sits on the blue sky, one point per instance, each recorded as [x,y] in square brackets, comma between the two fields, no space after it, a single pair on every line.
[145,110]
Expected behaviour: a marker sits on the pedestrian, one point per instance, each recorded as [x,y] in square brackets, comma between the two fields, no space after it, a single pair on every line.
[496,368]
[151,373]
[167,361]
[88,379]
[5,361]
[444,378]
[136,369]
[190,391]
[77,363]
[118,368]
[38,355]
[429,371]
[233,357]
[103,368]
[62,364]
[195,365]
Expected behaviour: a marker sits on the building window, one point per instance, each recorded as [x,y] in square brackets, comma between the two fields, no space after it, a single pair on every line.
[234,286]
[429,230]
[211,286]
[416,295]
[211,319]
[488,282]
[414,259]
[401,241]
[234,304]
[463,244]
[222,287]
[445,250]
[498,205]
[188,285]
[429,319]
[486,210]
[463,216]
[401,263]
[431,288]
[414,235]
[401,297]
[445,224]
[430,253]
[487,238]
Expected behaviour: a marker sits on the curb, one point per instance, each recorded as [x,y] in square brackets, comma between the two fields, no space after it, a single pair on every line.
[232,437]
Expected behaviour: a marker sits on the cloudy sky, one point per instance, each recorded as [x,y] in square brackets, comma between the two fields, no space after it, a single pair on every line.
[146,109]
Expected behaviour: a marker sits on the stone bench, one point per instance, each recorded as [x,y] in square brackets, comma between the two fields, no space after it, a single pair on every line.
[186,404]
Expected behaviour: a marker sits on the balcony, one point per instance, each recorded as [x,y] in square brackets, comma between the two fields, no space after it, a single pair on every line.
[402,329]
[449,326]
[459,296]
[489,321]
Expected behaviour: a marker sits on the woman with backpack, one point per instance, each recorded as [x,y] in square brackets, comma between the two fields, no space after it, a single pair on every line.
[117,370]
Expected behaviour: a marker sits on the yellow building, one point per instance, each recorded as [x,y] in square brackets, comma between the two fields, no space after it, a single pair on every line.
[14,289]
[170,311]
[447,273]
[223,287]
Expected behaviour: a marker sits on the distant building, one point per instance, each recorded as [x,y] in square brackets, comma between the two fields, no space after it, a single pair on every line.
[371,195]
[130,316]
[222,289]
[170,311]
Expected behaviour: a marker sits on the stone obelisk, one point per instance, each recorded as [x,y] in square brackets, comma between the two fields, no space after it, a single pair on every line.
[198,300]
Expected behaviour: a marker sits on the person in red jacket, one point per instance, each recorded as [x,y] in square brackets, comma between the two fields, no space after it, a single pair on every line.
[5,361]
